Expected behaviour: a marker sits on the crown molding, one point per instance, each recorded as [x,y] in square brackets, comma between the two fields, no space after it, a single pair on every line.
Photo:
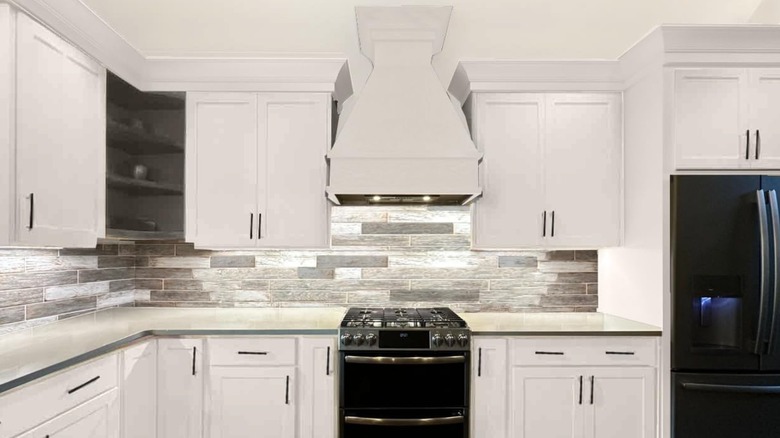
[79,24]
[664,46]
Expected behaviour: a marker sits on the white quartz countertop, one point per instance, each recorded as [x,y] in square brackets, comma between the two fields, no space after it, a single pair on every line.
[556,324]
[35,352]
[30,354]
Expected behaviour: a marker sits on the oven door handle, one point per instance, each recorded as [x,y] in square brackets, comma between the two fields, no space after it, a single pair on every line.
[382,360]
[436,421]
[743,389]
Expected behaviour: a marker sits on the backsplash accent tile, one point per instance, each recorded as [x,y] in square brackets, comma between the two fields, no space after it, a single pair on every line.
[380,256]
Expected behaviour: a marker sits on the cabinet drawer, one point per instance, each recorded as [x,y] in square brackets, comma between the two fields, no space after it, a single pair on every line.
[32,405]
[591,351]
[251,351]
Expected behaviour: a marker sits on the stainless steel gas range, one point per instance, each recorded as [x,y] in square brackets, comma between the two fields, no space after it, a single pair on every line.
[404,371]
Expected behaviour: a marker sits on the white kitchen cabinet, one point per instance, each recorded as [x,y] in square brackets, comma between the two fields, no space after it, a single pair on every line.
[489,376]
[139,391]
[317,388]
[96,418]
[724,118]
[180,388]
[545,403]
[273,193]
[247,401]
[563,387]
[551,171]
[59,145]
[622,403]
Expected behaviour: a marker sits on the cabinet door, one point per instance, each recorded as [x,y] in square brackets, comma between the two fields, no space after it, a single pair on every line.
[317,388]
[139,391]
[764,112]
[489,379]
[7,165]
[582,166]
[710,119]
[546,403]
[179,388]
[294,133]
[60,140]
[252,401]
[620,403]
[221,169]
[509,132]
[96,418]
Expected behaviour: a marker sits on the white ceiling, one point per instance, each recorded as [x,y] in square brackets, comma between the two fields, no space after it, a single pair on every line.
[527,29]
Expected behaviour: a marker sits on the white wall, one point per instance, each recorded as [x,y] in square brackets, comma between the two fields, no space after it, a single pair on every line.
[631,283]
[479,28]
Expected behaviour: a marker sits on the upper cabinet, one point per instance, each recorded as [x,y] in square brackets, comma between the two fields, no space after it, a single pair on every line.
[725,118]
[145,163]
[56,149]
[256,170]
[551,171]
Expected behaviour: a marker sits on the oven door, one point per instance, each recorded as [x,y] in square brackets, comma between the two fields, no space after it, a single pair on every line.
[419,423]
[404,380]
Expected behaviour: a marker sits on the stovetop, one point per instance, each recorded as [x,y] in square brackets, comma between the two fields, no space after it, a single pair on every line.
[437,317]
[433,328]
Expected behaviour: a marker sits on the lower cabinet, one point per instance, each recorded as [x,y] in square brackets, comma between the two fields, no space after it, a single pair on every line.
[593,387]
[317,387]
[180,382]
[139,391]
[96,418]
[252,401]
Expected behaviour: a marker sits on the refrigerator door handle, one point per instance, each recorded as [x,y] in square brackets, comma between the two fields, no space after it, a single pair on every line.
[744,389]
[775,212]
[763,227]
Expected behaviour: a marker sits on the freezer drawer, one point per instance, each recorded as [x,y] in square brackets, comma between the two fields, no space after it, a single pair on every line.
[725,405]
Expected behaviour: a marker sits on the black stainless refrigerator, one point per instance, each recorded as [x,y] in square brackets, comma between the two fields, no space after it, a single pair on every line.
[726,306]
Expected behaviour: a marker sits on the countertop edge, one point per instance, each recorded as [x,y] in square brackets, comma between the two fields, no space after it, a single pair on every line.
[532,333]
[152,333]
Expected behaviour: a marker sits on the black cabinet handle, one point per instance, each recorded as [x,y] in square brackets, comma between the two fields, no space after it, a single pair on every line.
[88,382]
[255,353]
[747,145]
[287,391]
[550,353]
[758,143]
[32,210]
[327,362]
[620,353]
[592,381]
[251,225]
[479,363]
[552,226]
[544,223]
[194,352]
[580,402]
[259,225]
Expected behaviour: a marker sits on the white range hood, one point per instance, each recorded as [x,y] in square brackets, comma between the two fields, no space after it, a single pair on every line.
[403,141]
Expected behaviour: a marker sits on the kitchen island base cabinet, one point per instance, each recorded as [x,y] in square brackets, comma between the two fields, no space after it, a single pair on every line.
[252,401]
[180,388]
[96,418]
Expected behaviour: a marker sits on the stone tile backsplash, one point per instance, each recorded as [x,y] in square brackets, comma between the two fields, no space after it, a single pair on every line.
[380,256]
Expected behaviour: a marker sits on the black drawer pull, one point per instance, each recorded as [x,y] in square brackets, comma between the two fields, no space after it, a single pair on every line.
[620,353]
[92,380]
[550,353]
[194,352]
[327,362]
[256,353]
[287,391]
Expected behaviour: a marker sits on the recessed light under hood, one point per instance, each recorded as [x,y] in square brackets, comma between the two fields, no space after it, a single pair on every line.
[403,142]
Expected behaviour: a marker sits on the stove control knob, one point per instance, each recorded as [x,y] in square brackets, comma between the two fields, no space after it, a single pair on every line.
[346,339]
[449,340]
[437,340]
[370,339]
[359,339]
[463,340]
